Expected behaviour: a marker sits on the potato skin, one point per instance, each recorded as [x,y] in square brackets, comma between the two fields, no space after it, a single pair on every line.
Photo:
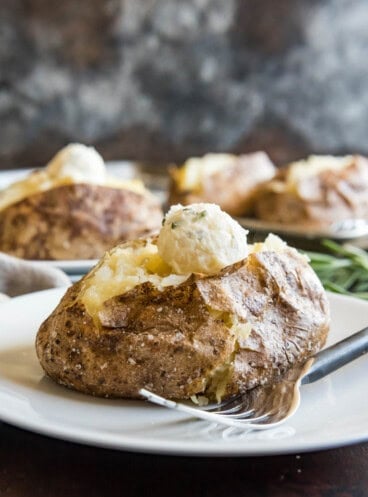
[171,341]
[233,189]
[319,200]
[79,221]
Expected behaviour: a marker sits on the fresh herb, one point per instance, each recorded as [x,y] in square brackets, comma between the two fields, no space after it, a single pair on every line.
[163,220]
[174,225]
[200,215]
[343,271]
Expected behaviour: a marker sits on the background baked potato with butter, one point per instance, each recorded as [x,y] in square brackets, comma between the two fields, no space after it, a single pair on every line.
[227,180]
[316,192]
[72,209]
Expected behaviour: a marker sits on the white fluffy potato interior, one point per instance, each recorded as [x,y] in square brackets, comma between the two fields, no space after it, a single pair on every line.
[201,238]
[122,269]
[78,162]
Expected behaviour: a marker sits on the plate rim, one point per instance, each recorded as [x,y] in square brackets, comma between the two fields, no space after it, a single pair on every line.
[360,231]
[70,267]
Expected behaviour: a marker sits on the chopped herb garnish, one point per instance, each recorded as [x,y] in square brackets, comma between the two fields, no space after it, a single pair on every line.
[163,220]
[200,215]
[174,225]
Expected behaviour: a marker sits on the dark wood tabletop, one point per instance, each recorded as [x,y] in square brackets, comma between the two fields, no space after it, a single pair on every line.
[38,466]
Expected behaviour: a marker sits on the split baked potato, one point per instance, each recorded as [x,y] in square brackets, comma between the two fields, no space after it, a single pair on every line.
[316,192]
[133,322]
[228,180]
[73,210]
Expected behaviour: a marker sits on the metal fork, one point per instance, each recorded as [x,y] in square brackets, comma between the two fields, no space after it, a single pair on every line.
[266,407]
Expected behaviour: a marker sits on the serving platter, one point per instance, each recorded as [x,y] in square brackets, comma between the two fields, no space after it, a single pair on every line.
[333,411]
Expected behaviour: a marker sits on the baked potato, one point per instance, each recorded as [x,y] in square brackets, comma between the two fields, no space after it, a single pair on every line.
[72,210]
[316,192]
[227,180]
[133,322]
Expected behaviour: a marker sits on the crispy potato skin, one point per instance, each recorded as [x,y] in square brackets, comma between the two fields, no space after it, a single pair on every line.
[233,189]
[171,341]
[319,200]
[78,221]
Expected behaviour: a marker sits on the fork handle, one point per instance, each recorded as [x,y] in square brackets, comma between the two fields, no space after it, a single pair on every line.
[336,356]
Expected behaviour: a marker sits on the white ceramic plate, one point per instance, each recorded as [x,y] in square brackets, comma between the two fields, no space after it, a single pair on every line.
[333,412]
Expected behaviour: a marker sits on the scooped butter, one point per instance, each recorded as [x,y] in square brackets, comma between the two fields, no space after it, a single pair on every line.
[79,163]
[201,238]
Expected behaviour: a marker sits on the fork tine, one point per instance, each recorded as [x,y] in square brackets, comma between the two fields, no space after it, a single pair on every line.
[235,405]
[244,414]
[241,410]
[257,419]
[224,406]
[198,413]
[264,416]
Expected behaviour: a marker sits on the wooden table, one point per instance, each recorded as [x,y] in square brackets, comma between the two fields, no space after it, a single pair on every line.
[37,466]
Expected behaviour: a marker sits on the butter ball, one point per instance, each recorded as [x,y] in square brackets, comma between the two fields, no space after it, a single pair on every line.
[79,163]
[201,238]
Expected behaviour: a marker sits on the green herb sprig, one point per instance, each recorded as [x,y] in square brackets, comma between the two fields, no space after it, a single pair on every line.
[343,271]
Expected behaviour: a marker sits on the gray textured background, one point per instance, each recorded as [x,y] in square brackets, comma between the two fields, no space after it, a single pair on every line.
[164,79]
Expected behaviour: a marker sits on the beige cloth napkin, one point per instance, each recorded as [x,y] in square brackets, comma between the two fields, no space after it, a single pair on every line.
[18,277]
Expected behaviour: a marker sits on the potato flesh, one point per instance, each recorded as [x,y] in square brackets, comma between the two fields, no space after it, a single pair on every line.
[121,270]
[216,381]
